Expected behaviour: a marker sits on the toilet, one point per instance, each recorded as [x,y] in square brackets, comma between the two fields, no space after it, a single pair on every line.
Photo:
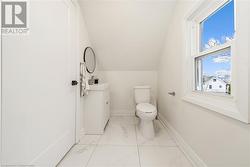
[145,111]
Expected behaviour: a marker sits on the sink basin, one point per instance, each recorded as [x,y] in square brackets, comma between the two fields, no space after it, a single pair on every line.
[99,87]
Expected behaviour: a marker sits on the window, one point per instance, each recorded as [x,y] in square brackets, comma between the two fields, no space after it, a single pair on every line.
[216,63]
[214,56]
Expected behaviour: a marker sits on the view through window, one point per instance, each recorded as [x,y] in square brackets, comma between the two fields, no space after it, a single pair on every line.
[213,65]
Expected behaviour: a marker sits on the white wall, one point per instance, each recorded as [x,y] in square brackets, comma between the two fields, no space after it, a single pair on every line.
[220,141]
[121,88]
[127,35]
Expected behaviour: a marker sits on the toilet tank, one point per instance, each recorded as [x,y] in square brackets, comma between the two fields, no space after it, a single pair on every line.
[142,94]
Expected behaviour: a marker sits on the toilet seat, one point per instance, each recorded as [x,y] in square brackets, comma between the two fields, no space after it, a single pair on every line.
[146,108]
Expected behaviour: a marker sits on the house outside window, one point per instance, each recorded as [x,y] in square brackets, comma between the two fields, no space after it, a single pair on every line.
[215,85]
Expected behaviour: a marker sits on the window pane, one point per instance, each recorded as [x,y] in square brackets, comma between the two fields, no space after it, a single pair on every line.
[214,71]
[218,28]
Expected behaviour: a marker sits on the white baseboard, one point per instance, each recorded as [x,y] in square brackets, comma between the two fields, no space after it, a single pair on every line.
[122,113]
[55,152]
[187,150]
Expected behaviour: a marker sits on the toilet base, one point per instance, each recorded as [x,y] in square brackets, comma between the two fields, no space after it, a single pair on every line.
[146,127]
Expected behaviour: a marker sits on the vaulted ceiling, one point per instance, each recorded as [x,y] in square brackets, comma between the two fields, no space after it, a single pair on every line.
[127,34]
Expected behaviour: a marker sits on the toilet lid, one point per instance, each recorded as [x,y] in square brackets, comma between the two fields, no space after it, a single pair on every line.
[146,108]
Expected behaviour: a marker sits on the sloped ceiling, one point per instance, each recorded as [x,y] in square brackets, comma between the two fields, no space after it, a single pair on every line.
[127,34]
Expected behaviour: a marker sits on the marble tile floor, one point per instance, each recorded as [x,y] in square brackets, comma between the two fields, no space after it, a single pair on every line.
[122,145]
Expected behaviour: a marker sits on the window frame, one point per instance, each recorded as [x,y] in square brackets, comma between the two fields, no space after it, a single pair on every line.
[234,105]
[199,55]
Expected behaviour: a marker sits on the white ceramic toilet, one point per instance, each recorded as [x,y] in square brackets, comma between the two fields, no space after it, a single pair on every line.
[145,110]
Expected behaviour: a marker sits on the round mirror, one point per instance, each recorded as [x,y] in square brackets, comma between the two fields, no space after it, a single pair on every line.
[89,59]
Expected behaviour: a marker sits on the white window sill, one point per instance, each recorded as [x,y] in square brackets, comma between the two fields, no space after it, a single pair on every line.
[224,105]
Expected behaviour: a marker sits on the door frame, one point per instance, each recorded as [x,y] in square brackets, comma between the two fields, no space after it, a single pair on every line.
[75,39]
[77,54]
[73,4]
[1,84]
